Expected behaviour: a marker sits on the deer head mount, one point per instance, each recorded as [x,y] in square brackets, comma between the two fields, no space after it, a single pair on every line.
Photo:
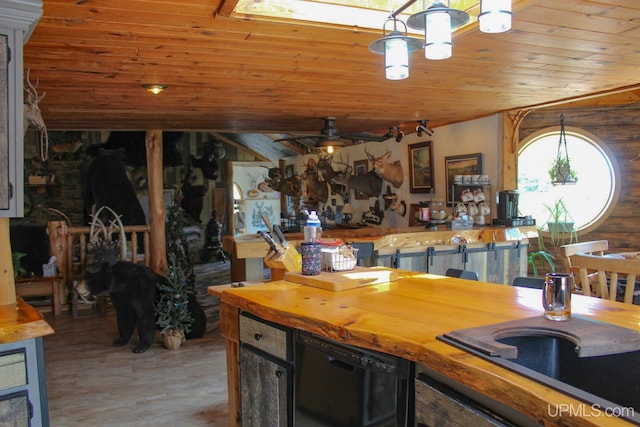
[33,115]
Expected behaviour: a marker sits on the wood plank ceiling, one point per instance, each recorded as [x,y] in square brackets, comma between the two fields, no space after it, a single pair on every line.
[241,75]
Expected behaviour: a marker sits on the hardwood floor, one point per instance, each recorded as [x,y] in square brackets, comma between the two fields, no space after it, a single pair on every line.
[91,383]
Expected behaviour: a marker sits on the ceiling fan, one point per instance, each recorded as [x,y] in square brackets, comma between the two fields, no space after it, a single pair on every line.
[329,136]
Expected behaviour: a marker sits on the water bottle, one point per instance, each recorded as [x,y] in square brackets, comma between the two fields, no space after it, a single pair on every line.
[313,229]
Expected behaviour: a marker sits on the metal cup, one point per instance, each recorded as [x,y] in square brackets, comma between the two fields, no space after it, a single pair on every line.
[556,296]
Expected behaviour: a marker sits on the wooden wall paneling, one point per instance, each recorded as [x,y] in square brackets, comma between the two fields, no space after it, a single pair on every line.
[618,127]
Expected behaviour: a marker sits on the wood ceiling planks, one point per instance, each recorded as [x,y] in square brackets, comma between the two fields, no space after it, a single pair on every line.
[229,74]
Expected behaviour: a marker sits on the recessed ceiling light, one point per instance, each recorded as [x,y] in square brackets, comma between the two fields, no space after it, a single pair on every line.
[154,88]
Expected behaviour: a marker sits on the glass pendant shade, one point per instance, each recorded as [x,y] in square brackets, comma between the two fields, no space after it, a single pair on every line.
[495,16]
[437,35]
[396,47]
[396,59]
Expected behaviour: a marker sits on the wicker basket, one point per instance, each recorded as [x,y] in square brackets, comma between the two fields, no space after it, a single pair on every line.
[340,258]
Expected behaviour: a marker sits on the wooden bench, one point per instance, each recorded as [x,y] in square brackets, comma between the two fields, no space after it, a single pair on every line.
[42,287]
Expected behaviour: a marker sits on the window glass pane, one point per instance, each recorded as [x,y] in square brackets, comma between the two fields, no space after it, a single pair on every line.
[586,201]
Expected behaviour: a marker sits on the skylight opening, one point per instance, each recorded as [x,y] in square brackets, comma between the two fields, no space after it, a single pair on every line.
[365,14]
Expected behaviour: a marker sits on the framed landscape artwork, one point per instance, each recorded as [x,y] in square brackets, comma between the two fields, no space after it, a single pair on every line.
[467,164]
[420,167]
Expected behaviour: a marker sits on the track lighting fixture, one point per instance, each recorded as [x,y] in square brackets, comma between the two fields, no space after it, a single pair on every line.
[422,128]
[394,131]
[389,134]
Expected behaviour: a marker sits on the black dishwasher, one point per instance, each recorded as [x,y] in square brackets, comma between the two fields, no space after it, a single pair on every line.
[340,385]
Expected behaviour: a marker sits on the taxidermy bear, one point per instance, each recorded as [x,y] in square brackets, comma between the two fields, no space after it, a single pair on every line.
[133,290]
[107,184]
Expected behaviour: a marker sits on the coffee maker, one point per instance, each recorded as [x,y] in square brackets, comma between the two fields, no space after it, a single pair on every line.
[507,208]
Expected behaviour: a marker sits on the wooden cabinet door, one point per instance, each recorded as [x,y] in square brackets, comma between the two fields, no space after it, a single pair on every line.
[264,389]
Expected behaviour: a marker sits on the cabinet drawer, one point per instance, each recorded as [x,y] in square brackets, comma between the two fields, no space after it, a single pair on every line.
[13,370]
[264,336]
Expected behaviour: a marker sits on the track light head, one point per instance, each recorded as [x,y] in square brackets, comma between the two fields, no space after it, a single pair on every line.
[399,136]
[389,134]
[423,128]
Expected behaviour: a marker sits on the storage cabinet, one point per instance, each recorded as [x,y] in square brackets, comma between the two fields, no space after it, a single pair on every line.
[473,199]
[23,396]
[451,405]
[17,21]
[265,372]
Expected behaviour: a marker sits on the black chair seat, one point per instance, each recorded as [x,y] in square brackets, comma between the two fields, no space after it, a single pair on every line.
[365,252]
[462,274]
[529,282]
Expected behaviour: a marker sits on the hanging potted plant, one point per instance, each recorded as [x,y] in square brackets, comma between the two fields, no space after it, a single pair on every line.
[561,172]
[172,309]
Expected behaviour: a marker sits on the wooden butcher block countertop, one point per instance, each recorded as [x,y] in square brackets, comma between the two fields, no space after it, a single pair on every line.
[20,321]
[404,318]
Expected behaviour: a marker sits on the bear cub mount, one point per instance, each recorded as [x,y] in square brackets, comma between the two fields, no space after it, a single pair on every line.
[133,291]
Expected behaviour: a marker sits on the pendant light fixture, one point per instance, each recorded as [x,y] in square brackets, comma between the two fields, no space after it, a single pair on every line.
[395,46]
[438,21]
[495,16]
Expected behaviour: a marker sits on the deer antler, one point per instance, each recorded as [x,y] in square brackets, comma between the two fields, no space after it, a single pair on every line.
[115,225]
[348,168]
[33,115]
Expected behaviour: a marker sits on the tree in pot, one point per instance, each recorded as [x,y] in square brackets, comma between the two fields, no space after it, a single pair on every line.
[172,309]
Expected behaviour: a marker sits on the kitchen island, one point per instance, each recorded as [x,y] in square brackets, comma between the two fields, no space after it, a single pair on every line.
[404,319]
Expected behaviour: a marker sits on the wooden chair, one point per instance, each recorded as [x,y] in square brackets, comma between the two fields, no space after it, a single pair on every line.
[597,247]
[608,269]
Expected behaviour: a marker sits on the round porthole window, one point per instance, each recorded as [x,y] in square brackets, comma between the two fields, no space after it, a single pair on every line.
[588,201]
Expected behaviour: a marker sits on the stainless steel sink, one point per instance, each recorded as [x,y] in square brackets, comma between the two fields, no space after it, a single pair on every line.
[608,381]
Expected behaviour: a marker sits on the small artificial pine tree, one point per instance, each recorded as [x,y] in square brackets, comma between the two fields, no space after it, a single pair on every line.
[172,309]
[177,243]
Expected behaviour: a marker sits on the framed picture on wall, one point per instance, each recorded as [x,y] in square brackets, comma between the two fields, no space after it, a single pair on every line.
[360,167]
[420,167]
[466,164]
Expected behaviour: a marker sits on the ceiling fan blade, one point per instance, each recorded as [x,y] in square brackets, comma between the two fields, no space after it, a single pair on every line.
[329,135]
[363,136]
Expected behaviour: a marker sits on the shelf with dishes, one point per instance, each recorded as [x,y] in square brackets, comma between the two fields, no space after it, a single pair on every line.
[471,203]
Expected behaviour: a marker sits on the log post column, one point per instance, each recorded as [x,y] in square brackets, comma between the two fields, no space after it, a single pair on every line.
[7,279]
[157,213]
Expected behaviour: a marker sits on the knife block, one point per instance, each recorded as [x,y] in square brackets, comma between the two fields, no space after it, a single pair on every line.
[282,263]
